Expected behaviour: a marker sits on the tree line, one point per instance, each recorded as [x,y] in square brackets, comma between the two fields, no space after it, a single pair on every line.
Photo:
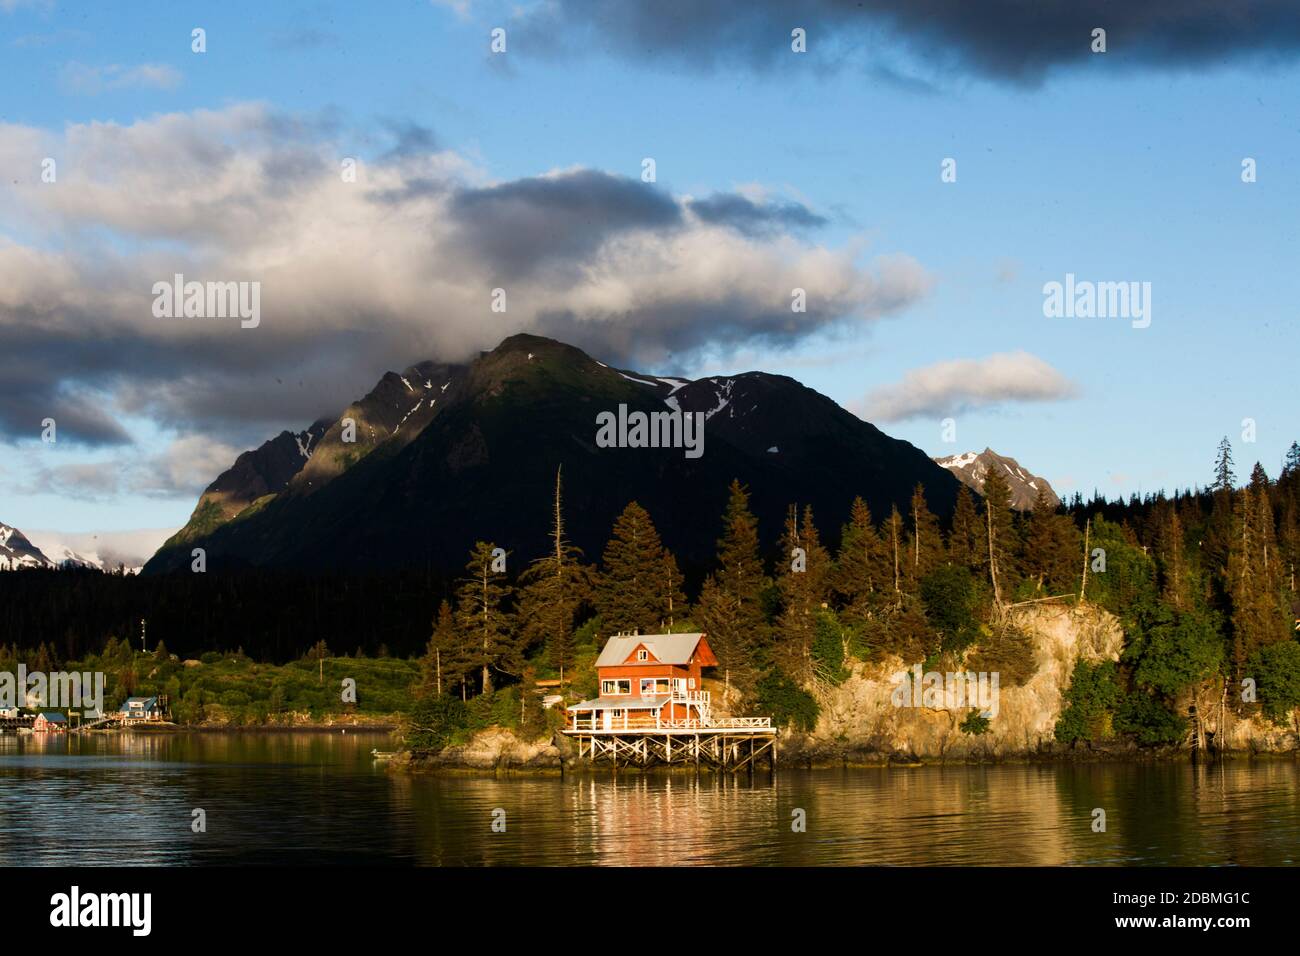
[1202,581]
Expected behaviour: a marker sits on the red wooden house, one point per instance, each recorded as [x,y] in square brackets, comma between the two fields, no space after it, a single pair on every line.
[648,680]
[50,722]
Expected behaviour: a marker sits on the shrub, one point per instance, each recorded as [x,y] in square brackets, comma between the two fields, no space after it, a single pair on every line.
[974,723]
[947,594]
[1090,703]
[828,648]
[1149,719]
[786,702]
[233,698]
[1276,669]
[434,721]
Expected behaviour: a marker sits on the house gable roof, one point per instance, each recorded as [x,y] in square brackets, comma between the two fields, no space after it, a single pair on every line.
[663,648]
[54,717]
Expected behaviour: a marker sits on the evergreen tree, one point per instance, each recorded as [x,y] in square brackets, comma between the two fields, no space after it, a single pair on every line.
[553,590]
[445,664]
[730,605]
[1175,573]
[1051,548]
[672,599]
[861,573]
[1218,531]
[894,543]
[925,550]
[483,619]
[999,534]
[630,591]
[1259,615]
[804,584]
[964,544]
[1223,474]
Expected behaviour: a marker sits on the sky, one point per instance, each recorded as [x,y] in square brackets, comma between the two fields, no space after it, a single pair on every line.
[524,169]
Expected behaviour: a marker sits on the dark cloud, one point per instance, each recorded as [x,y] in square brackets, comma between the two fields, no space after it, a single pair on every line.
[357,278]
[1009,40]
[34,386]
[410,139]
[517,226]
[755,219]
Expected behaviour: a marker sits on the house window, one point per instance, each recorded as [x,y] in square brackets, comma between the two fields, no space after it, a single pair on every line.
[691,683]
[617,713]
[611,688]
[643,655]
[654,685]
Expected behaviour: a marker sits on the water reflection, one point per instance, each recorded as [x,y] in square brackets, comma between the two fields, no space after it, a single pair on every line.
[319,798]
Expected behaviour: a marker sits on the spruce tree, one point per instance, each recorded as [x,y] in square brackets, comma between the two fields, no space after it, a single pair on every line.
[492,643]
[925,550]
[1259,613]
[553,590]
[804,583]
[730,605]
[445,663]
[1223,474]
[964,543]
[999,535]
[894,546]
[1175,573]
[672,599]
[630,592]
[861,574]
[1051,548]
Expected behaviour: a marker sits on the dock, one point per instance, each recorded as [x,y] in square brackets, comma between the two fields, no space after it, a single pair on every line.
[732,744]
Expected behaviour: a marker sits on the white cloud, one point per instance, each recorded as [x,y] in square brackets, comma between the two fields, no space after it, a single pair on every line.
[360,277]
[108,549]
[947,388]
[92,80]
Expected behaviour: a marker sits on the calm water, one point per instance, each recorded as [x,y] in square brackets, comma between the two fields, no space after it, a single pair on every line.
[320,798]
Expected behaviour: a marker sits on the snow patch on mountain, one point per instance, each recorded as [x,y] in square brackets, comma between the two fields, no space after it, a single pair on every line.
[972,468]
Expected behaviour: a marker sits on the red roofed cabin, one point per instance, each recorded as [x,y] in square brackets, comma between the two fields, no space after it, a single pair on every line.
[648,680]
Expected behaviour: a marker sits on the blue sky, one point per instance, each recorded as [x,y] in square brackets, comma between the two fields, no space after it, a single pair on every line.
[1110,170]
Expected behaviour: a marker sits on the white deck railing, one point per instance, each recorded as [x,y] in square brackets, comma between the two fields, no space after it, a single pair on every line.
[620,725]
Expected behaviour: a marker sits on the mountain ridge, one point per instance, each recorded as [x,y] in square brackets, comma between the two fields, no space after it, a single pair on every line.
[479,463]
[971,467]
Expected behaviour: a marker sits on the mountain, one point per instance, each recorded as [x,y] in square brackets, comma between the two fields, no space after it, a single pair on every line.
[310,459]
[446,455]
[18,552]
[971,468]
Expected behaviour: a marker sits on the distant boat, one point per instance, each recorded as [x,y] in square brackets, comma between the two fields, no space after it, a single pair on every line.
[383,754]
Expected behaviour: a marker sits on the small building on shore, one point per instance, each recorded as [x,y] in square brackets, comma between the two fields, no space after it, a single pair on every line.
[50,722]
[648,680]
[142,710]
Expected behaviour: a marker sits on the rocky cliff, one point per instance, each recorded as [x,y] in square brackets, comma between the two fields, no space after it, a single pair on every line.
[860,721]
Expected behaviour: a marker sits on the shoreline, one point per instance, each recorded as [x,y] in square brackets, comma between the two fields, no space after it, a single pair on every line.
[404,762]
[499,753]
[314,728]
